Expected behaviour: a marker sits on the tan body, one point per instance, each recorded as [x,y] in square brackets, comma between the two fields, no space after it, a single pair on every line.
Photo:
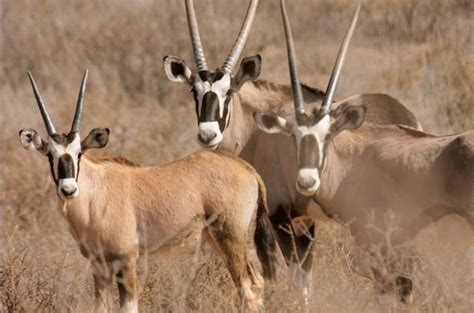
[379,170]
[117,210]
[159,202]
[273,155]
[123,211]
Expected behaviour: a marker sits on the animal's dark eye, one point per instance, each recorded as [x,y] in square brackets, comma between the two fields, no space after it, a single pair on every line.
[98,136]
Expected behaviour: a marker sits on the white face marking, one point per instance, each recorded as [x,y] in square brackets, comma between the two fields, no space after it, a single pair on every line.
[201,88]
[57,150]
[68,185]
[308,181]
[208,128]
[219,87]
[318,131]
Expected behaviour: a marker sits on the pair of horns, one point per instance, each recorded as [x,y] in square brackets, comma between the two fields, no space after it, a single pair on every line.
[239,43]
[76,122]
[295,83]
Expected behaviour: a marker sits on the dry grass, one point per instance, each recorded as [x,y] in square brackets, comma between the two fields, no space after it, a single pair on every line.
[421,52]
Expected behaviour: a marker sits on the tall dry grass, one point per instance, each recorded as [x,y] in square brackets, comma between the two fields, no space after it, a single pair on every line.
[420,52]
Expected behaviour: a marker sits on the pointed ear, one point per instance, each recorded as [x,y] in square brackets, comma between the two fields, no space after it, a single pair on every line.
[31,140]
[249,69]
[176,70]
[97,138]
[271,123]
[347,117]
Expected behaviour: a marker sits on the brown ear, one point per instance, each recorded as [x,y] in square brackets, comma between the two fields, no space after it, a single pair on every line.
[249,69]
[31,140]
[97,138]
[347,117]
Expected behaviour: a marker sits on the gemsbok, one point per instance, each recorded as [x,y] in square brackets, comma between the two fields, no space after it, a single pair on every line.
[117,211]
[225,105]
[360,173]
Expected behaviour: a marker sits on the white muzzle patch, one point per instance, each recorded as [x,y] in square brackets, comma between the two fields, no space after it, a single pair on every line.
[307,181]
[68,188]
[209,134]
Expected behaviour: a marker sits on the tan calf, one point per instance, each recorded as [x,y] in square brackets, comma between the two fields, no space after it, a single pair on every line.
[118,211]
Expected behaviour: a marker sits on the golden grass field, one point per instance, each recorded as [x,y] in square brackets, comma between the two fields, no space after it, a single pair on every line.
[419,51]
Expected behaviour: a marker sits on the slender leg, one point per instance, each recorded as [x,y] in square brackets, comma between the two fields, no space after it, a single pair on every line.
[297,250]
[405,289]
[100,285]
[233,249]
[128,285]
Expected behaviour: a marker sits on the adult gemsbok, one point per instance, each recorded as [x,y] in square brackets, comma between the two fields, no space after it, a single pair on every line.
[117,211]
[225,105]
[362,174]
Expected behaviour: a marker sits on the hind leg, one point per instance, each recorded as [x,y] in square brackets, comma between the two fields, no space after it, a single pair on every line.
[404,289]
[232,246]
[296,247]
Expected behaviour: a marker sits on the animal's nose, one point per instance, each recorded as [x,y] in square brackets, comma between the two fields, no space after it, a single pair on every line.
[306,182]
[206,136]
[68,190]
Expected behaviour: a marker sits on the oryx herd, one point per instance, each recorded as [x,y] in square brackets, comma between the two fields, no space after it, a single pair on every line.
[273,152]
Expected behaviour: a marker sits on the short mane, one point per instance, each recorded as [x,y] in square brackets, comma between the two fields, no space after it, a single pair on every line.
[111,159]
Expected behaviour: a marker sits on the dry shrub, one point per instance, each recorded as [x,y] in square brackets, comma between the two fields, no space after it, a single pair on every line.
[418,51]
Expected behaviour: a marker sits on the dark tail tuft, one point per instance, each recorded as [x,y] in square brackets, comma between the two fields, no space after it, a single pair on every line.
[264,237]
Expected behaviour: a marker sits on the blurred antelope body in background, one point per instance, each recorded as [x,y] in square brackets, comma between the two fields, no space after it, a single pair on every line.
[374,173]
[117,211]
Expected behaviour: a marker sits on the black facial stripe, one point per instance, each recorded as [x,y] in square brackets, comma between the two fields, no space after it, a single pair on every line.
[210,102]
[51,165]
[78,165]
[223,122]
[218,76]
[204,75]
[309,154]
[196,101]
[63,139]
[65,167]
[209,107]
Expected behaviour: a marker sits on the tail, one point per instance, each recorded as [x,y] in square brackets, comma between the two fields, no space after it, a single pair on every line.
[264,237]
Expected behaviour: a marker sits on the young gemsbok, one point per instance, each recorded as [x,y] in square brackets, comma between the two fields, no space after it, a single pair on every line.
[117,211]
[362,173]
[225,104]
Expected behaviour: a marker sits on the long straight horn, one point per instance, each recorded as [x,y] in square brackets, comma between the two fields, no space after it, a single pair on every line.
[295,82]
[76,122]
[239,43]
[331,89]
[198,51]
[44,112]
